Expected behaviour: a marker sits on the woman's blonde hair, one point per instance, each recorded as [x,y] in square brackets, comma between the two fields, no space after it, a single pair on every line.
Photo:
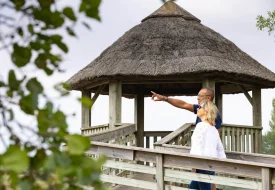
[211,110]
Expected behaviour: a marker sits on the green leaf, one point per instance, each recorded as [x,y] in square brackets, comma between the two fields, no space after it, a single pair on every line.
[41,61]
[50,164]
[56,38]
[35,45]
[59,87]
[20,31]
[34,86]
[68,12]
[10,93]
[11,115]
[77,144]
[25,185]
[70,31]
[86,25]
[2,84]
[62,46]
[90,8]
[45,4]
[13,82]
[18,3]
[87,102]
[15,159]
[29,103]
[21,55]
[66,86]
[30,28]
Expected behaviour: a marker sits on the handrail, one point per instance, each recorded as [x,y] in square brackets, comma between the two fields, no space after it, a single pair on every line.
[111,134]
[134,153]
[95,127]
[156,133]
[173,135]
[253,157]
[242,126]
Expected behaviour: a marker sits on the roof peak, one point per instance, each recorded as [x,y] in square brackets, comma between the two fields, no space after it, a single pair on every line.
[171,9]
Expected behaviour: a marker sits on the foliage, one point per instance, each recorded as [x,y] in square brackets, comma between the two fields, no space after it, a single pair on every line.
[30,33]
[269,137]
[267,22]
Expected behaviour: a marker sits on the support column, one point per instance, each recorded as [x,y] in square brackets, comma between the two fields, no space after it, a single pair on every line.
[219,100]
[257,115]
[86,111]
[209,84]
[139,117]
[115,96]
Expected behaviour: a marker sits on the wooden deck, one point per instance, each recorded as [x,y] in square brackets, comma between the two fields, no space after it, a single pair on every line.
[171,163]
[138,176]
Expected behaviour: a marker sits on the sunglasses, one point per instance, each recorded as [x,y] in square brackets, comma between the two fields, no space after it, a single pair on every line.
[199,107]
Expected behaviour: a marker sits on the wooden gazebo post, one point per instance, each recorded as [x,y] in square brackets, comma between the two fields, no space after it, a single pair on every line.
[139,117]
[115,91]
[86,112]
[257,114]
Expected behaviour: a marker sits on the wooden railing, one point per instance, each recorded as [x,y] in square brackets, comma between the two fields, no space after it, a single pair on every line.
[238,138]
[181,136]
[263,171]
[123,134]
[242,138]
[94,129]
[152,137]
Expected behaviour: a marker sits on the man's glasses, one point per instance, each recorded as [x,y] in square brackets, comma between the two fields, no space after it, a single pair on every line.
[202,95]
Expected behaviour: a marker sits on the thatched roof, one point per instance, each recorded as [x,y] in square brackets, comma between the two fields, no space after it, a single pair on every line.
[172,43]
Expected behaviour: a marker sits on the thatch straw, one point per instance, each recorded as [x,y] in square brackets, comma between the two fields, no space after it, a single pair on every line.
[172,42]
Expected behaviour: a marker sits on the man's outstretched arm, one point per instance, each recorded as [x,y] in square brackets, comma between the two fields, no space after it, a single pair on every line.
[174,102]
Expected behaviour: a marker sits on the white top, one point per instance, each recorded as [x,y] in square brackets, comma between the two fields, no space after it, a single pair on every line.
[206,141]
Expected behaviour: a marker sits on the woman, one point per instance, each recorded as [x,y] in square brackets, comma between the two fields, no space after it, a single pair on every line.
[205,140]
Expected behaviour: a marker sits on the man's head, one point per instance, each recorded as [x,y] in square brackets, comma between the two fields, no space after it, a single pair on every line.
[206,93]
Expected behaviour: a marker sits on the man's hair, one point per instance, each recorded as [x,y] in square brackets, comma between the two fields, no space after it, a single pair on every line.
[211,111]
[211,93]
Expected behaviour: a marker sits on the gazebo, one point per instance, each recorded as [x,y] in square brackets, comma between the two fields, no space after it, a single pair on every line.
[172,53]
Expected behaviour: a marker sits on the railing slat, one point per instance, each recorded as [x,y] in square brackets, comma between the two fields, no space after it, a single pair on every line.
[238,140]
[233,138]
[243,141]
[228,147]
[247,139]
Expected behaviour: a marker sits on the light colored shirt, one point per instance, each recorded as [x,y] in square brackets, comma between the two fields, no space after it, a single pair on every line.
[206,141]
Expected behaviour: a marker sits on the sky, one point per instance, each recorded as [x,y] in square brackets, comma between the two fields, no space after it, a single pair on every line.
[234,19]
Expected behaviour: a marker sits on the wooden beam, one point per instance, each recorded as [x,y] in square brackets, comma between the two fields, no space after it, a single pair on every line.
[159,172]
[115,91]
[173,135]
[156,133]
[259,158]
[249,98]
[182,160]
[219,100]
[86,111]
[266,179]
[114,133]
[139,110]
[98,83]
[209,84]
[230,88]
[257,114]
[95,96]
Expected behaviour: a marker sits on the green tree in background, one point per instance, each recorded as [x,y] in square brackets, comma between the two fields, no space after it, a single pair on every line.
[30,32]
[267,22]
[269,137]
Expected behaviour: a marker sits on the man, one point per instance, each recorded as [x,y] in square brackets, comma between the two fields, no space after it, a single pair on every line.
[204,93]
